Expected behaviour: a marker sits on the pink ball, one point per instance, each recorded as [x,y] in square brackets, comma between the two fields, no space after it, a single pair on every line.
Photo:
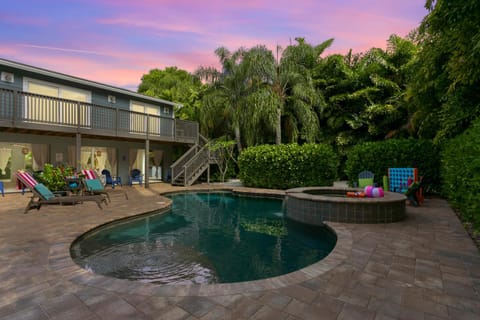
[373,192]
[378,192]
[368,191]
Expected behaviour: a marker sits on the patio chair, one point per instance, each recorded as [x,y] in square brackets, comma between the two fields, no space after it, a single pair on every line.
[112,180]
[41,195]
[399,177]
[414,193]
[365,178]
[135,176]
[93,185]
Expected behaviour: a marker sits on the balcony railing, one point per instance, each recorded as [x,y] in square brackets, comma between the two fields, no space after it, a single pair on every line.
[32,111]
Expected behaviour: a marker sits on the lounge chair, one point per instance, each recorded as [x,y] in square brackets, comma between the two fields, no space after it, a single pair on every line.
[41,195]
[93,185]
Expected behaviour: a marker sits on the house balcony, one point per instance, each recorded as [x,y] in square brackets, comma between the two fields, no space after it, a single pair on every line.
[23,111]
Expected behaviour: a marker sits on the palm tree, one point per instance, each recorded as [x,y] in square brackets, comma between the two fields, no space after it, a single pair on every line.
[286,87]
[230,84]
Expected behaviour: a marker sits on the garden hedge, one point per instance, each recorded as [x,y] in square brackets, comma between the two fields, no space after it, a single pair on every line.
[377,157]
[460,170]
[288,166]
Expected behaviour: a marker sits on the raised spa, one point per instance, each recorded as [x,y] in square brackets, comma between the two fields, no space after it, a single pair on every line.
[314,205]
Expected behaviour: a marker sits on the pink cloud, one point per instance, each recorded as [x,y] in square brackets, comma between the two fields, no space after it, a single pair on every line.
[135,22]
[357,29]
[125,39]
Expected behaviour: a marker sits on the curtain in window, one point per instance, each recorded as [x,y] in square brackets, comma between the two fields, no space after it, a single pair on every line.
[39,155]
[132,157]
[85,155]
[101,159]
[112,158]
[5,155]
[157,157]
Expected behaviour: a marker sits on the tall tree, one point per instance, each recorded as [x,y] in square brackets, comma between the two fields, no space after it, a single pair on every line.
[445,90]
[175,85]
[299,96]
[230,86]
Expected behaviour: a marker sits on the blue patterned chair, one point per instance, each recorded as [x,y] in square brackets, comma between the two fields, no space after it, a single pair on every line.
[135,176]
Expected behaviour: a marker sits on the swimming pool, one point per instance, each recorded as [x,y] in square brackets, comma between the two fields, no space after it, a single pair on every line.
[205,238]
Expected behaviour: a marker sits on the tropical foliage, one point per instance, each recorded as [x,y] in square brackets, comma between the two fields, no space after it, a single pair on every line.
[461,173]
[54,177]
[445,90]
[422,86]
[223,153]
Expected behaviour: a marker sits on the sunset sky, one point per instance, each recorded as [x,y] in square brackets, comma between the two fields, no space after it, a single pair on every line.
[117,41]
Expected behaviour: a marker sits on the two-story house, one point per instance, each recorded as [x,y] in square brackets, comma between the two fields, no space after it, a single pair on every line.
[50,117]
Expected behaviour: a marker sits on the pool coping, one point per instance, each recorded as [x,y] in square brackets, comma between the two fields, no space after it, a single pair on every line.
[61,262]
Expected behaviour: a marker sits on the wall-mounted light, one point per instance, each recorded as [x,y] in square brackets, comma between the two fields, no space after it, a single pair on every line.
[7,77]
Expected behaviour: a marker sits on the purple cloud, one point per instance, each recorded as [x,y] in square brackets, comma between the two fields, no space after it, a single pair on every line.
[117,41]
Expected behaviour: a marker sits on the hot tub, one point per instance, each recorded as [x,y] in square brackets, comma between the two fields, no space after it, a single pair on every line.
[314,205]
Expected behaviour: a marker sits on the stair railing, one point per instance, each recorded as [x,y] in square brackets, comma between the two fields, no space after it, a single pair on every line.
[196,165]
[190,162]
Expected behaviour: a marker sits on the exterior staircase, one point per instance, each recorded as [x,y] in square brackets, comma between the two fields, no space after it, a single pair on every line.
[191,165]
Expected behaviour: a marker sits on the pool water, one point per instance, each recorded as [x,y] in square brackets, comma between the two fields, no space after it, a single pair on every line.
[204,238]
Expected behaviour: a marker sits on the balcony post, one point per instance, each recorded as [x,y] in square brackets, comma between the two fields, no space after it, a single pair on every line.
[147,174]
[14,111]
[184,176]
[78,116]
[147,148]
[174,128]
[78,151]
[117,121]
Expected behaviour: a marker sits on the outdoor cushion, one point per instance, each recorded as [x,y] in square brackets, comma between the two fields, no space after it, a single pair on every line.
[94,185]
[44,191]
[89,174]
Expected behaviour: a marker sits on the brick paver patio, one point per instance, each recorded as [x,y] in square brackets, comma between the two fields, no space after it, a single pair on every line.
[425,267]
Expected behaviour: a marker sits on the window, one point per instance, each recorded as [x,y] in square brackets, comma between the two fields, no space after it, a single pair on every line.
[138,122]
[98,158]
[62,112]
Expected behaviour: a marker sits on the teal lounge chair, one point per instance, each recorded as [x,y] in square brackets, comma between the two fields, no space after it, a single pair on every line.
[93,185]
[41,195]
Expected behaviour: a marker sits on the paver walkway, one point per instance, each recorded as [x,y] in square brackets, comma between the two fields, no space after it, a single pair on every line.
[425,267]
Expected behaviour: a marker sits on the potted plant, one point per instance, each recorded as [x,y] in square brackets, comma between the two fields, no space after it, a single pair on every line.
[54,177]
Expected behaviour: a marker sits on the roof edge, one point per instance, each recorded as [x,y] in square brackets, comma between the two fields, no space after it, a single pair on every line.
[82,81]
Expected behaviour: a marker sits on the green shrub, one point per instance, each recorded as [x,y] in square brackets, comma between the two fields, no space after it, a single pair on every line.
[377,157]
[54,177]
[460,170]
[288,166]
